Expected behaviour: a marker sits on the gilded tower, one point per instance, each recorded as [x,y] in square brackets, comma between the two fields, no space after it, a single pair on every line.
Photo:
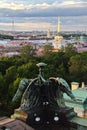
[57,44]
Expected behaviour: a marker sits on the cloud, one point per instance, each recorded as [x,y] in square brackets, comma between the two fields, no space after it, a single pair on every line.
[37,12]
[24,10]
[22,5]
[63,8]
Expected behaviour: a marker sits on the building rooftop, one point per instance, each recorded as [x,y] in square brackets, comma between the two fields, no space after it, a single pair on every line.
[80,94]
[13,124]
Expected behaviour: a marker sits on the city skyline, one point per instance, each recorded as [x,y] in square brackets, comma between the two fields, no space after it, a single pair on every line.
[29,15]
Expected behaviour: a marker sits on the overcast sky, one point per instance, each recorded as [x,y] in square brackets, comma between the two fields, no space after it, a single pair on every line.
[29,14]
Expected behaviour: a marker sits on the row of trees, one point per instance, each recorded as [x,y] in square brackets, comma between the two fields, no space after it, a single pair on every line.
[6,37]
[68,64]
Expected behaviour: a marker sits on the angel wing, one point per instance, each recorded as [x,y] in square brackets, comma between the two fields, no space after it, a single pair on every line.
[64,87]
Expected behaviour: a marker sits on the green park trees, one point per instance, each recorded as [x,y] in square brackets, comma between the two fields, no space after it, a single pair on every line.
[66,64]
[27,53]
[48,49]
[78,67]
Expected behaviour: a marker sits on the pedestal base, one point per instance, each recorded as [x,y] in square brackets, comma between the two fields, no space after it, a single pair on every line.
[48,117]
[18,114]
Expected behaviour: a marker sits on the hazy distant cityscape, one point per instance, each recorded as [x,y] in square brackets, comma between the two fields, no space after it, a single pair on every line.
[43,64]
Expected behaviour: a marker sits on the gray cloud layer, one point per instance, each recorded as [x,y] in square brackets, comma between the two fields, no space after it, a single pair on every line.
[50,8]
[44,13]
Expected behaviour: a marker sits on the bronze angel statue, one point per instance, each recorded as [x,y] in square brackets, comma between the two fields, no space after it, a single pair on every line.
[41,97]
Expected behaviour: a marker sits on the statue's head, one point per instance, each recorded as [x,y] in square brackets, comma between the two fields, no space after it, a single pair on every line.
[41,66]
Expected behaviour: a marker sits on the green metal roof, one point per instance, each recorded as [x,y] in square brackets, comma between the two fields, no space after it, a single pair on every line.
[80,94]
[80,121]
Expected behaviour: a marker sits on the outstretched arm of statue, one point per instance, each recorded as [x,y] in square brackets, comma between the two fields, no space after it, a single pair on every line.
[22,86]
[69,93]
[64,87]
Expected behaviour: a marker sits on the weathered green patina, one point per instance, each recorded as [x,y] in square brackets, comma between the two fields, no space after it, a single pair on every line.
[40,92]
[43,102]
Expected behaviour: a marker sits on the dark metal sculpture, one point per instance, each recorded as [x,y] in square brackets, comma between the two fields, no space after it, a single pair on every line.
[42,106]
[43,96]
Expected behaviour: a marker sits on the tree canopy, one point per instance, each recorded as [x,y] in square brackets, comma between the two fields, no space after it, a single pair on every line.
[70,65]
[27,53]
